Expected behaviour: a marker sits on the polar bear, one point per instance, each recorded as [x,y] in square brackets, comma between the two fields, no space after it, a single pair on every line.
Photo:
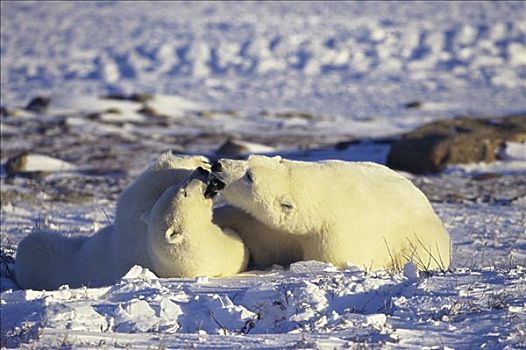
[47,260]
[129,229]
[339,212]
[182,239]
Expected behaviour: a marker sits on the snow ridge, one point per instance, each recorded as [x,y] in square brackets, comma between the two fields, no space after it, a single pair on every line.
[323,305]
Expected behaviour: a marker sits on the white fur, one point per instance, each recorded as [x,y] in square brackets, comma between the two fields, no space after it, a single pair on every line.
[130,231]
[47,260]
[183,241]
[267,246]
[339,212]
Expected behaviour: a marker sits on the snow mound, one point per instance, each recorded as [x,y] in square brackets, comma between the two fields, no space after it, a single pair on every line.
[333,306]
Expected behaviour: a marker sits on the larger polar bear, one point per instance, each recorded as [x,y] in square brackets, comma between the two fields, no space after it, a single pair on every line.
[163,222]
[339,212]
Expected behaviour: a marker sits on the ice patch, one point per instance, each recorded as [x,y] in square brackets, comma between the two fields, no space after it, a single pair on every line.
[311,266]
[33,162]
[514,151]
[135,316]
[75,317]
[377,320]
[214,314]
[139,272]
[410,271]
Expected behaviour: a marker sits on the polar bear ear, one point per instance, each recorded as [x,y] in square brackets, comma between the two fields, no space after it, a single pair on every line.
[144,216]
[278,159]
[171,235]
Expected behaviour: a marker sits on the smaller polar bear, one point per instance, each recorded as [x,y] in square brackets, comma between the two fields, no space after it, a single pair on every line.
[163,222]
[182,239]
[339,212]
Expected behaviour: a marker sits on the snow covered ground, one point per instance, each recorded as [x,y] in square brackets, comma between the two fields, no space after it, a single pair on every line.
[300,79]
[311,305]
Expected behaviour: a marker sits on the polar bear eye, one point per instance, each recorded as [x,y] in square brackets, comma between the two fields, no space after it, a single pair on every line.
[249,177]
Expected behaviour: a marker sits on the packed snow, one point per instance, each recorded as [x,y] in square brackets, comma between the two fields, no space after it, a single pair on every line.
[307,80]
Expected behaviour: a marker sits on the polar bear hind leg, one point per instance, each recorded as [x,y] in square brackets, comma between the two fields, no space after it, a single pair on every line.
[427,254]
[45,260]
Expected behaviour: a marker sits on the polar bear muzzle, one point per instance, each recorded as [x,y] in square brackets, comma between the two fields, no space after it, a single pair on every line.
[217,167]
[229,170]
[215,182]
[202,173]
[214,186]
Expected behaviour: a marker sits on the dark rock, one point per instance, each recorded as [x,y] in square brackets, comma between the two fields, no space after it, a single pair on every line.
[430,148]
[39,104]
[142,98]
[486,176]
[136,97]
[413,104]
[291,115]
[113,110]
[343,145]
[93,116]
[16,164]
[149,111]
[232,148]
[213,112]
[116,96]
[6,112]
[236,148]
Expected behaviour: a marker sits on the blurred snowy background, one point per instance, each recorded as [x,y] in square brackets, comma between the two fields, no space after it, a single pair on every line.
[356,60]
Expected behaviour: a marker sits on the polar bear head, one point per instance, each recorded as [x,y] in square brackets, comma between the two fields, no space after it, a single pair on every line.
[177,223]
[275,191]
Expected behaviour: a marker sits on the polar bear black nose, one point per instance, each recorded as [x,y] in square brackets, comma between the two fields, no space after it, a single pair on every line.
[216,184]
[217,167]
[210,194]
